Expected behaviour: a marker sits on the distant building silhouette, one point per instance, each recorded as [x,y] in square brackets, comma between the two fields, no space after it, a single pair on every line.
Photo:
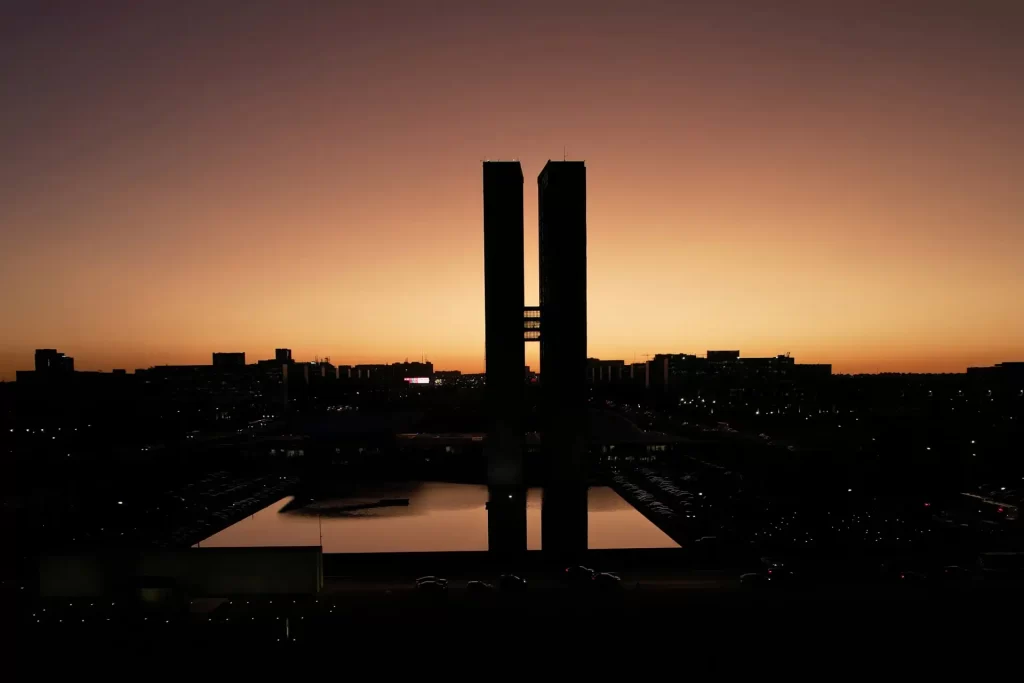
[562,220]
[377,372]
[53,361]
[1000,372]
[283,355]
[51,367]
[505,353]
[412,373]
[607,371]
[665,370]
[224,361]
[324,370]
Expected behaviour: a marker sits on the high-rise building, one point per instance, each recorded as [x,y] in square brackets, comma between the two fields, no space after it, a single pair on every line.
[505,353]
[607,371]
[412,373]
[562,204]
[283,355]
[52,360]
[669,368]
[377,373]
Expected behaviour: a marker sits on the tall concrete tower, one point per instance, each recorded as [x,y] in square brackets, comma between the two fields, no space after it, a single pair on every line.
[504,394]
[562,204]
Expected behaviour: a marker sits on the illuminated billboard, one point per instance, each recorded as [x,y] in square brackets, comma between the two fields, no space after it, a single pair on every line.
[417,380]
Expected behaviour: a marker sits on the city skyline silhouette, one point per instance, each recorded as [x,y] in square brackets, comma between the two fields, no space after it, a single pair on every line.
[402,321]
[992,355]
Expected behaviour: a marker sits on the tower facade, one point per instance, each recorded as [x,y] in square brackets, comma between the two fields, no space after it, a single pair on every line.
[505,353]
[562,220]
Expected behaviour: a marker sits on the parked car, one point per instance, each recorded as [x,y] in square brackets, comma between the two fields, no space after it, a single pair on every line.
[606,581]
[431,579]
[755,580]
[510,583]
[579,576]
[432,587]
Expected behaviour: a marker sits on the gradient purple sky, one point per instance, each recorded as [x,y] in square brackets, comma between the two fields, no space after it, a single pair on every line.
[838,179]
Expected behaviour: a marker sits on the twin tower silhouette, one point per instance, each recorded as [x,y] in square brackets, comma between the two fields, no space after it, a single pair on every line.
[559,325]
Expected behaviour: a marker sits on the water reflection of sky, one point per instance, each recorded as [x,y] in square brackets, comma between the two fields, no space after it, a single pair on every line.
[439,517]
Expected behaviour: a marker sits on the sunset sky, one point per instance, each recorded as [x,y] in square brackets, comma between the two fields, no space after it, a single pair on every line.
[842,180]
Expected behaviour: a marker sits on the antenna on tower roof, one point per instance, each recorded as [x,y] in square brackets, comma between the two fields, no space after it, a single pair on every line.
[564,153]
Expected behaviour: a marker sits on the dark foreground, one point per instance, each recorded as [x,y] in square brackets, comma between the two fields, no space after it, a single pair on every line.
[692,608]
